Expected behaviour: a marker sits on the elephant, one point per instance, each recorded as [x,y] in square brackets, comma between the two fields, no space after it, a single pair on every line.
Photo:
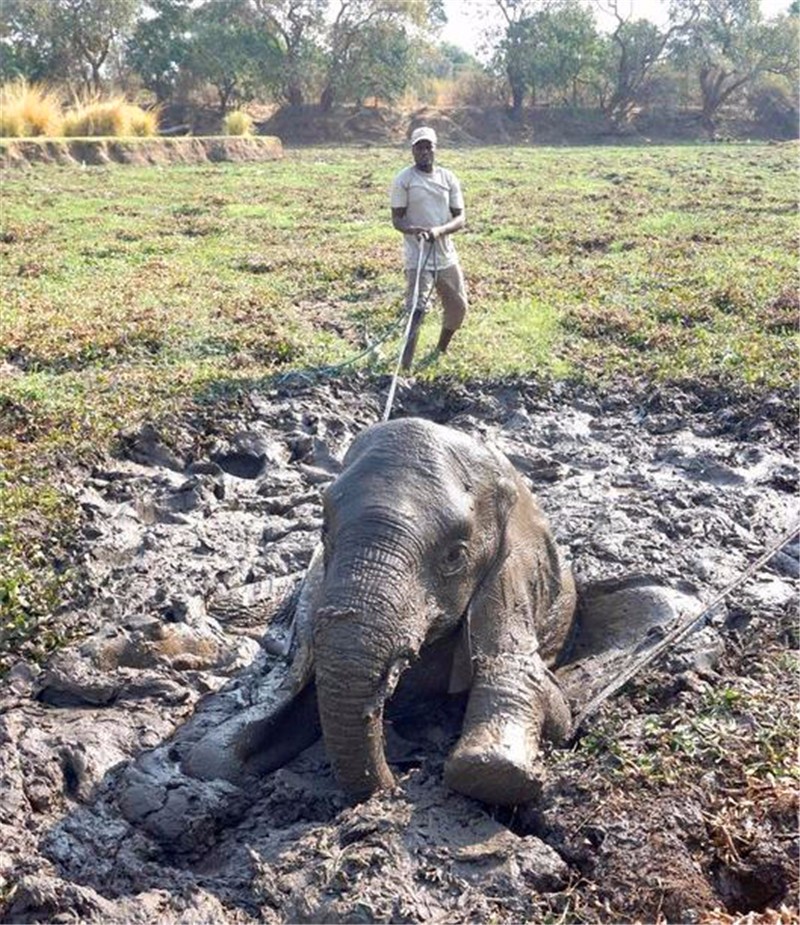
[436,572]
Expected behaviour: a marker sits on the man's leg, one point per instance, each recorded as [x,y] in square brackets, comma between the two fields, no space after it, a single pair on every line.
[418,312]
[453,293]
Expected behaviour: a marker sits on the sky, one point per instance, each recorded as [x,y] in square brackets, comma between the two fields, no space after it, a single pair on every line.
[466,18]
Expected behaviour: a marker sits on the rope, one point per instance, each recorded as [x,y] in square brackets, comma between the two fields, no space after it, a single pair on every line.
[330,370]
[312,374]
[679,632]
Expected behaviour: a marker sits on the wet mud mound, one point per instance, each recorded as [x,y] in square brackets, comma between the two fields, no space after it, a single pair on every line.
[195,536]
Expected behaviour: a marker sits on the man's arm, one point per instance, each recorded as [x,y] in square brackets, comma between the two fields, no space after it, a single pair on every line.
[456,223]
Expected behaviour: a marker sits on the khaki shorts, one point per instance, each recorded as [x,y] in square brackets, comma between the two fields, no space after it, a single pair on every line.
[449,284]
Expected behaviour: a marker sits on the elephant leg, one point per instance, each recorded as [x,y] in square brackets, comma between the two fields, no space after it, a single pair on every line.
[256,741]
[513,702]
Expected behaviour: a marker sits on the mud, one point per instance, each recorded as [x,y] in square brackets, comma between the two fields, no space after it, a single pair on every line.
[195,533]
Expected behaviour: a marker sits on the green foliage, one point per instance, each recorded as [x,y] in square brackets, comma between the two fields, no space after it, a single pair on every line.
[130,292]
[32,580]
[231,52]
[33,47]
[368,50]
[298,28]
[158,47]
[91,28]
[322,50]
[729,46]
[632,51]
[552,49]
[378,64]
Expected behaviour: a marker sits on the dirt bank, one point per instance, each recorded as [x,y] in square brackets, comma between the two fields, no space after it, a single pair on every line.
[664,810]
[138,151]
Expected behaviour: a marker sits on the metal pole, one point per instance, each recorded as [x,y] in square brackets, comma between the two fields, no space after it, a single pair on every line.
[412,309]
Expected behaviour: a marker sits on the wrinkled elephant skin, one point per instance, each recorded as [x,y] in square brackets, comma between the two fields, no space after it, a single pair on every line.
[436,554]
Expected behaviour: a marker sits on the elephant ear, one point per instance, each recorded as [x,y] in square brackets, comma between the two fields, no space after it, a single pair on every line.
[505,497]
[300,645]
[528,592]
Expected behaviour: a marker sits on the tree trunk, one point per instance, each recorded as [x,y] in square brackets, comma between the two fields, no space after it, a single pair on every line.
[517,99]
[327,97]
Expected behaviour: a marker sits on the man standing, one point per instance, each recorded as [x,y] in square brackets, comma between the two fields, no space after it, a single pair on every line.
[428,207]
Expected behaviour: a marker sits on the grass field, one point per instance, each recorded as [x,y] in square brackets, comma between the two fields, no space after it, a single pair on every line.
[131,291]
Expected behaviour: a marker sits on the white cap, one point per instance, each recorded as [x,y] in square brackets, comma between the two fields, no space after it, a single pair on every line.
[423,133]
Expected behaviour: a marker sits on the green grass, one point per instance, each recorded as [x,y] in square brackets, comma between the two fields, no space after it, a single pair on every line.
[743,734]
[129,291]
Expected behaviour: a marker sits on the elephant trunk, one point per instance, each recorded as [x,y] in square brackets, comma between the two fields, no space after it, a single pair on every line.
[362,643]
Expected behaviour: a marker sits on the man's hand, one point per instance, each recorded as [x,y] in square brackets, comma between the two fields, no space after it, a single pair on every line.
[419,232]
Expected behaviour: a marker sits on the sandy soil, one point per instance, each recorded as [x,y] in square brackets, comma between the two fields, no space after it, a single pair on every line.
[193,535]
[139,152]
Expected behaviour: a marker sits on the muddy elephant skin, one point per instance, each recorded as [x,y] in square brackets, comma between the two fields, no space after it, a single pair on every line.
[425,531]
[435,558]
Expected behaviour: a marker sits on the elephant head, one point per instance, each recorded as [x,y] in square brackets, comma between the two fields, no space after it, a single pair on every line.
[428,535]
[434,555]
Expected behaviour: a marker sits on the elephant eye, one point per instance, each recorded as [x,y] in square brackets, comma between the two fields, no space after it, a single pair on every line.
[455,559]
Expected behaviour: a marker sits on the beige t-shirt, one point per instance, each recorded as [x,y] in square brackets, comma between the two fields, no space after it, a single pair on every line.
[427,199]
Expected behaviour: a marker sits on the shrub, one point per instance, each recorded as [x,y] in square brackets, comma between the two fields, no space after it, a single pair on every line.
[142,122]
[473,87]
[774,106]
[237,123]
[109,118]
[28,110]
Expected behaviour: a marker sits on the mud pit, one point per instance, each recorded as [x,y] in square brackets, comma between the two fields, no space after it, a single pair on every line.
[193,539]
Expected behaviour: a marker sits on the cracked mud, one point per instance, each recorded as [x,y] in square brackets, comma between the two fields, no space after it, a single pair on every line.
[194,538]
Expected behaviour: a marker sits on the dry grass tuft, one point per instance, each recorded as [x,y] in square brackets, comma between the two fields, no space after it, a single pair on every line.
[143,122]
[113,118]
[237,123]
[28,110]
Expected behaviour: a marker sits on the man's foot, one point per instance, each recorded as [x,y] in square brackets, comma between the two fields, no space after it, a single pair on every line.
[445,337]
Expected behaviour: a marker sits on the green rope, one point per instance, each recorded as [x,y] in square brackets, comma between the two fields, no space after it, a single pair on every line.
[326,371]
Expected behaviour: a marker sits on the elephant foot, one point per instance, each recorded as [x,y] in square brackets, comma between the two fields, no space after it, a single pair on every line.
[497,758]
[495,763]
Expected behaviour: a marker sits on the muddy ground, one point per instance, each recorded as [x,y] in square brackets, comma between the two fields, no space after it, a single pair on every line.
[193,534]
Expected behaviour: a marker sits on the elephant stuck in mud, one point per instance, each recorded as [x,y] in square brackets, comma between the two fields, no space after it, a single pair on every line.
[437,573]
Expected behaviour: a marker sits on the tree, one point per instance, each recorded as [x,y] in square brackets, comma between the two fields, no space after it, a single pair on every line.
[228,49]
[633,49]
[32,44]
[547,49]
[296,25]
[90,28]
[62,40]
[378,64]
[512,55]
[730,46]
[445,61]
[356,24]
[159,46]
[569,49]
